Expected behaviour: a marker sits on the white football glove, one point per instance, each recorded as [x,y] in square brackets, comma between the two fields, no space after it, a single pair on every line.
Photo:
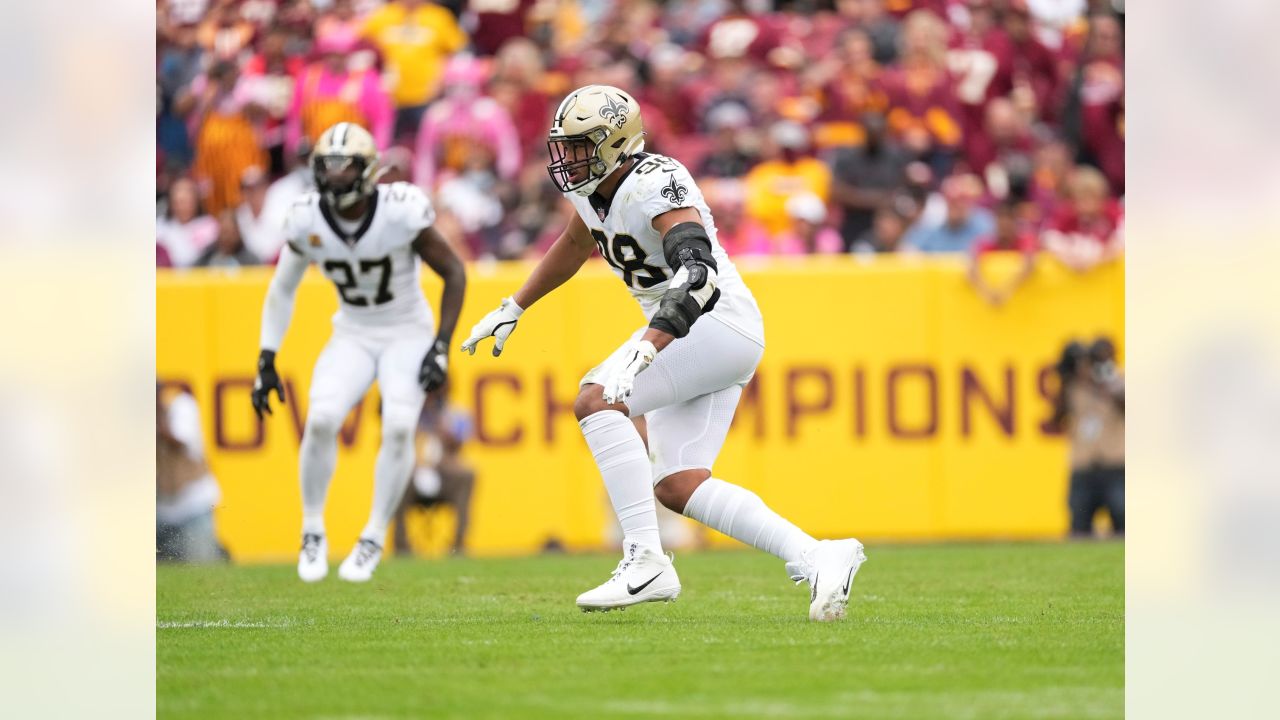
[621,377]
[500,323]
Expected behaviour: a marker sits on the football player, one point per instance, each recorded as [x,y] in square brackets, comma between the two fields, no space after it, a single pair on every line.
[684,372]
[366,237]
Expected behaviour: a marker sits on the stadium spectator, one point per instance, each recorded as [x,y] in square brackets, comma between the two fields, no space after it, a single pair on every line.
[221,118]
[809,234]
[1099,99]
[497,23]
[888,226]
[329,92]
[963,224]
[790,169]
[730,155]
[441,476]
[224,34]
[981,62]
[924,115]
[184,231]
[1010,237]
[228,251]
[1054,19]
[416,38]
[850,90]
[1035,67]
[517,84]
[268,81]
[339,19]
[881,28]
[1005,139]
[865,178]
[251,219]
[178,64]
[1090,409]
[397,165]
[465,131]
[1085,231]
[186,492]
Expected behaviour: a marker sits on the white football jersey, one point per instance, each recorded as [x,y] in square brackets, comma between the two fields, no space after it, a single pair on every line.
[372,263]
[624,233]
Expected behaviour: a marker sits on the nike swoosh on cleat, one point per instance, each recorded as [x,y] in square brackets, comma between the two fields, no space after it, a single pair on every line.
[847,582]
[634,590]
[813,589]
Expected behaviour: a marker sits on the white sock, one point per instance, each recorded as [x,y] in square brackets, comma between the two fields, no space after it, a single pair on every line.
[742,515]
[391,476]
[319,455]
[624,463]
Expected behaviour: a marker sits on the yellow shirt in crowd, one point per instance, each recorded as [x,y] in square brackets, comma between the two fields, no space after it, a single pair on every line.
[415,44]
[770,184]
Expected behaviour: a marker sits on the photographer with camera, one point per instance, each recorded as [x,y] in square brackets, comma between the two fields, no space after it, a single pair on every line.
[1090,410]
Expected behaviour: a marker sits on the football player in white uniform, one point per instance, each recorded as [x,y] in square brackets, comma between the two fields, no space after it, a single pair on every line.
[367,239]
[684,372]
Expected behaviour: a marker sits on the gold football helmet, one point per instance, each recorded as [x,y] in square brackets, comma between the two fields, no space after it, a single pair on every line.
[595,129]
[345,164]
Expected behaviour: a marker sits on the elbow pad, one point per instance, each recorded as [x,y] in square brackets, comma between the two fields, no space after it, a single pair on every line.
[693,290]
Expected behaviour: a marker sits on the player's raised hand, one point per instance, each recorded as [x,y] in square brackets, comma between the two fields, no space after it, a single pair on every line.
[622,376]
[499,324]
[268,379]
[435,366]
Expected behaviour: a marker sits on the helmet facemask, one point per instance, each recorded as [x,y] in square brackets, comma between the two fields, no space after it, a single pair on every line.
[576,165]
[343,180]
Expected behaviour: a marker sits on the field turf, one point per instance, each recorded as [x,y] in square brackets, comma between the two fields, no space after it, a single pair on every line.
[938,631]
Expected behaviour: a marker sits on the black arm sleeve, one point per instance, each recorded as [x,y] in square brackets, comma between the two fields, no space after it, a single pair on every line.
[687,242]
[685,245]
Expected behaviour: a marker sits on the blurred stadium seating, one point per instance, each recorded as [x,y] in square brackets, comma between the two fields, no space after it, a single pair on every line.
[1014,92]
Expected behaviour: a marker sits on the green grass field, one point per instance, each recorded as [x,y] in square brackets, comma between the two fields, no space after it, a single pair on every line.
[941,631]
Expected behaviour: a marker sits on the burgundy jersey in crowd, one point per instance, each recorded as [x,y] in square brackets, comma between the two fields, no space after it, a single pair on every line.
[1037,65]
[923,97]
[737,35]
[1102,115]
[982,67]
[497,21]
[1101,228]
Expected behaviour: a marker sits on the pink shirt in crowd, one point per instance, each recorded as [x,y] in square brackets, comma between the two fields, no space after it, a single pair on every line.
[455,127]
[316,83]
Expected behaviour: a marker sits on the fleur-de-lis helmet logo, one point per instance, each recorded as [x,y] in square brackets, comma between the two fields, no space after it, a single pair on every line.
[674,192]
[614,111]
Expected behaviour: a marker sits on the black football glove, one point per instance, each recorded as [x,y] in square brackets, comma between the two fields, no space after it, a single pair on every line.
[435,366]
[266,381]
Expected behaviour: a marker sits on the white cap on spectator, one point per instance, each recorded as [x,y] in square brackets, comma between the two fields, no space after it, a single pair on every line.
[807,207]
[789,134]
[728,115]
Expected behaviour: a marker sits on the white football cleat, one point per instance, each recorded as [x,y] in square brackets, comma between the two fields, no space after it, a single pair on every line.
[360,564]
[829,568]
[313,560]
[643,575]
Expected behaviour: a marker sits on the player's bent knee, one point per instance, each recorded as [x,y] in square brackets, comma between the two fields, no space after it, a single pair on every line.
[674,490]
[591,401]
[323,425]
[397,434]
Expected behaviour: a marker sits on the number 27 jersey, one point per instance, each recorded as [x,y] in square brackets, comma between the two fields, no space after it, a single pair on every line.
[372,262]
[624,234]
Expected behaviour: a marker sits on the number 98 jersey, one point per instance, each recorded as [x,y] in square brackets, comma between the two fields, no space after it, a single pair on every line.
[624,234]
[371,262]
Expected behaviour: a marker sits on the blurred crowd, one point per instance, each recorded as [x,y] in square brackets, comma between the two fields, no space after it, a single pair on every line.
[818,126]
